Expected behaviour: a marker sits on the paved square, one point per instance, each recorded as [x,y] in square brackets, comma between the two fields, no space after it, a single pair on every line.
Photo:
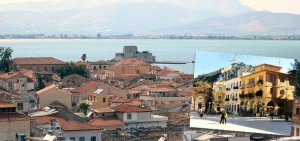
[262,125]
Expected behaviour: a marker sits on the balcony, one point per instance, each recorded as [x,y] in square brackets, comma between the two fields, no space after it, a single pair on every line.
[260,82]
[227,89]
[242,96]
[250,95]
[236,87]
[259,93]
[226,99]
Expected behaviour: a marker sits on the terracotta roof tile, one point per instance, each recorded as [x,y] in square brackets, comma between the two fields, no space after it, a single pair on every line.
[4,104]
[104,110]
[85,87]
[131,62]
[156,68]
[165,72]
[45,89]
[161,89]
[14,116]
[101,62]
[67,125]
[9,75]
[120,100]
[126,108]
[105,122]
[38,61]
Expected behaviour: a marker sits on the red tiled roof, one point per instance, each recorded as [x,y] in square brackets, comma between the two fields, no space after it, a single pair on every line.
[101,62]
[4,104]
[120,100]
[85,87]
[9,75]
[157,68]
[13,116]
[161,89]
[99,72]
[104,110]
[165,72]
[186,76]
[105,122]
[67,125]
[82,63]
[125,108]
[38,61]
[45,89]
[131,62]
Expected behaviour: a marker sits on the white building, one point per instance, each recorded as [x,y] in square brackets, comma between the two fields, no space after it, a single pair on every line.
[136,117]
[232,92]
[68,129]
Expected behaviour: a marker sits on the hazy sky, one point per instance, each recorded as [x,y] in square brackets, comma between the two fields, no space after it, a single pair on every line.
[285,6]
[221,60]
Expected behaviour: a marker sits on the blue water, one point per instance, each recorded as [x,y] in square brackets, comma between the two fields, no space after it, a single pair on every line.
[164,50]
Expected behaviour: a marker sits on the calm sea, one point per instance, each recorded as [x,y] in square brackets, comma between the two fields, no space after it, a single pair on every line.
[164,50]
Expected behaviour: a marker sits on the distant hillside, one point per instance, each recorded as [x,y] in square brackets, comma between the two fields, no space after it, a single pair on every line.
[210,77]
[247,23]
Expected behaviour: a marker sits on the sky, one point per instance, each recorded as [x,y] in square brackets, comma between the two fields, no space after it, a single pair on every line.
[207,62]
[278,6]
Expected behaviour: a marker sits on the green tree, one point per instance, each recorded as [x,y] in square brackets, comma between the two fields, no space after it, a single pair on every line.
[83,57]
[84,107]
[40,82]
[72,68]
[5,56]
[296,68]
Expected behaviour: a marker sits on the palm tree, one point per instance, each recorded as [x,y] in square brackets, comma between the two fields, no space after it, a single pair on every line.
[201,88]
[84,107]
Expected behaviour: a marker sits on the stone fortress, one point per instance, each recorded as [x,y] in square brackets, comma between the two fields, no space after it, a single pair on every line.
[132,52]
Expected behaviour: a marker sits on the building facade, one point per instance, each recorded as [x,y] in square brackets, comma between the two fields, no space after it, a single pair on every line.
[267,90]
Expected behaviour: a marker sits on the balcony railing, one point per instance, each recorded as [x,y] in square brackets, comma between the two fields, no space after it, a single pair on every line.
[242,96]
[227,89]
[226,99]
[259,93]
[236,87]
[260,82]
[251,95]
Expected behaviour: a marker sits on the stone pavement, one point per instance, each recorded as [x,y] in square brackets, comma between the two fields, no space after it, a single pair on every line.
[262,125]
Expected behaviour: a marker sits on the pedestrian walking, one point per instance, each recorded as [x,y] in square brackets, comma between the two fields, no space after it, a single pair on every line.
[225,117]
[222,117]
[200,113]
[271,114]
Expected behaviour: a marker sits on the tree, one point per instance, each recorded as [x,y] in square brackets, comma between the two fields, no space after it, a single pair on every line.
[83,57]
[5,56]
[84,107]
[72,68]
[40,82]
[296,69]
[201,88]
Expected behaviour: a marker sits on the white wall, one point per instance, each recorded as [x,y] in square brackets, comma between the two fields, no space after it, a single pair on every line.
[162,124]
[87,134]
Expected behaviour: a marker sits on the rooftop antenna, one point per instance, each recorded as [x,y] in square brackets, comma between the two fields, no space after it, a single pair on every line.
[279,62]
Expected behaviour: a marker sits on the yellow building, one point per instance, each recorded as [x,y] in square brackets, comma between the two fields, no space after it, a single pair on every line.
[267,90]
[98,99]
[219,95]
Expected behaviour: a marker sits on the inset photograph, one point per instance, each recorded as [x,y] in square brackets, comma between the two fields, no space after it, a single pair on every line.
[242,96]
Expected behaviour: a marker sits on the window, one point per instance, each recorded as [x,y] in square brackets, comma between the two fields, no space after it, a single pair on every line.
[282,79]
[45,69]
[19,106]
[72,138]
[104,100]
[95,67]
[81,138]
[93,138]
[297,111]
[129,116]
[53,69]
[282,92]
[271,90]
[10,84]
[272,78]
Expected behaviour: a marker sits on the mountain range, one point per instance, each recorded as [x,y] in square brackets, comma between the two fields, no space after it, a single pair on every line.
[147,17]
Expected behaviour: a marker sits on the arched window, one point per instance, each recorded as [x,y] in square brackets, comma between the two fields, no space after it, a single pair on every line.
[282,92]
